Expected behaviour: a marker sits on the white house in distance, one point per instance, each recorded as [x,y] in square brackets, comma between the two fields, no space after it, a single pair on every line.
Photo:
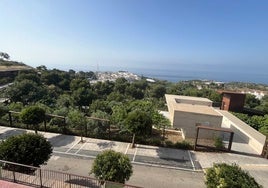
[186,113]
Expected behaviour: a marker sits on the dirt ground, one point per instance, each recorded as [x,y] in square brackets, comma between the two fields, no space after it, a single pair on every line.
[175,136]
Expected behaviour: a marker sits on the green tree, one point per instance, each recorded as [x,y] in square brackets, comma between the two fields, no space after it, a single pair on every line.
[226,176]
[4,55]
[64,100]
[25,91]
[158,91]
[28,149]
[120,85]
[251,101]
[99,127]
[138,123]
[160,121]
[119,114]
[79,83]
[77,120]
[83,97]
[33,115]
[3,110]
[112,166]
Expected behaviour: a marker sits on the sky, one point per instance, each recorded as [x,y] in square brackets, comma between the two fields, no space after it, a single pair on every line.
[92,34]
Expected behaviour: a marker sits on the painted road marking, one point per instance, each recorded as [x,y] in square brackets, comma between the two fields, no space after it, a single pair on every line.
[135,153]
[134,162]
[127,148]
[74,154]
[165,166]
[80,147]
[72,146]
[190,156]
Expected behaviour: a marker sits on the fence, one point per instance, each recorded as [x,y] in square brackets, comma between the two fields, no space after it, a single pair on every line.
[37,177]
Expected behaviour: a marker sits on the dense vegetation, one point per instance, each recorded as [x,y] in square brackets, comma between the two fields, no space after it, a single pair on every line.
[69,98]
[70,95]
[226,176]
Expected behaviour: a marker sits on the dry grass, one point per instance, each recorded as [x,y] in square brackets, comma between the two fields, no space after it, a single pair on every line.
[13,68]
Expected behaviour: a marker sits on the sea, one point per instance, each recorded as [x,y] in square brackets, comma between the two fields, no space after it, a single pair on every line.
[176,73]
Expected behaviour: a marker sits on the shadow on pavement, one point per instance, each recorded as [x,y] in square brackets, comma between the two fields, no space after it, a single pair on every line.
[83,182]
[106,145]
[61,140]
[12,132]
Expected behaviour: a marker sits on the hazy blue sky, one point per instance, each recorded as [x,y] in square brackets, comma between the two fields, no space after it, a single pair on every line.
[135,33]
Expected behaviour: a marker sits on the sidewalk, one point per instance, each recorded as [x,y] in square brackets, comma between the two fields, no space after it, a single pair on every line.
[7,184]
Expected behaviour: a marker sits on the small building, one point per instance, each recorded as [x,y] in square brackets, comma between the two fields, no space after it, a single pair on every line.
[188,112]
[233,101]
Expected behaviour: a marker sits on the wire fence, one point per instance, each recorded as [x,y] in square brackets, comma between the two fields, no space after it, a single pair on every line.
[37,177]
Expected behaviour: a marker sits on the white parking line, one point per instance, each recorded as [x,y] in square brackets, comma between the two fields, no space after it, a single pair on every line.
[81,147]
[74,154]
[127,148]
[135,153]
[72,146]
[168,167]
[190,156]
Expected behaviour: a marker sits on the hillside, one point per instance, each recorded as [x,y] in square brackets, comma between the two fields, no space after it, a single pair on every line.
[6,66]
[10,69]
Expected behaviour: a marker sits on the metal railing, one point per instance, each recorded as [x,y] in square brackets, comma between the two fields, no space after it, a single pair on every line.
[37,177]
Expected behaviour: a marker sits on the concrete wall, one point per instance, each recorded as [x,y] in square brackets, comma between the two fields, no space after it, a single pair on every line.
[193,102]
[187,122]
[252,137]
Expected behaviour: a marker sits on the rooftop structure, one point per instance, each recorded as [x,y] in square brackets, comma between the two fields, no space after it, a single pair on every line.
[232,101]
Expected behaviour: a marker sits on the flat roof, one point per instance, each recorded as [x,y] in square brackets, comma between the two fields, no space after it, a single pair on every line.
[187,98]
[191,108]
[197,109]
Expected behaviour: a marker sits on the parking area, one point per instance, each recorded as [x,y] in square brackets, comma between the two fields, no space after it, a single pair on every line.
[90,148]
[143,155]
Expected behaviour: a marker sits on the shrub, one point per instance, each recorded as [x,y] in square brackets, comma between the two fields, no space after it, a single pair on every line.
[218,143]
[183,145]
[29,149]
[169,144]
[225,176]
[112,166]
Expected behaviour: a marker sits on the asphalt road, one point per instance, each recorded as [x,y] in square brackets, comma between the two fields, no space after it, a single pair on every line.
[144,176]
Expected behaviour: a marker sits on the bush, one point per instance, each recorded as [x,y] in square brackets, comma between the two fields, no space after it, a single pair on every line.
[169,144]
[29,149]
[218,143]
[112,166]
[226,176]
[183,145]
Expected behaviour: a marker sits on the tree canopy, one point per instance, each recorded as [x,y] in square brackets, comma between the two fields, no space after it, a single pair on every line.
[112,166]
[226,176]
[28,149]
[33,115]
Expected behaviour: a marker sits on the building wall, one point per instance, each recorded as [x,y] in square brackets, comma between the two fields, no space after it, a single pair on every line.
[187,122]
[225,102]
[237,103]
[233,102]
[252,137]
[193,102]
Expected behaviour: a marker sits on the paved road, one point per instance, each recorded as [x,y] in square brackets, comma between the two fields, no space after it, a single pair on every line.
[153,166]
[144,176]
